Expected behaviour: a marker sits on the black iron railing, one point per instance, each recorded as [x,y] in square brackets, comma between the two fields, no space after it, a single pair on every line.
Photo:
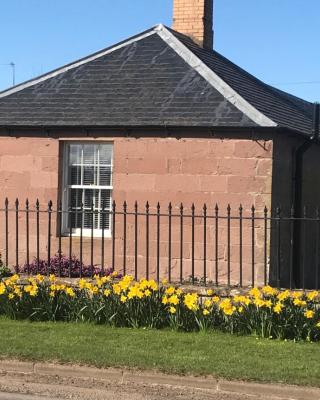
[234,247]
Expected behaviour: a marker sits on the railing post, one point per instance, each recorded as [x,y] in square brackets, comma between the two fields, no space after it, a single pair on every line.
[49,236]
[216,244]
[278,219]
[27,236]
[304,236]
[169,240]
[241,244]
[113,234]
[158,242]
[17,236]
[59,234]
[70,238]
[38,234]
[124,238]
[192,243]
[292,221]
[228,243]
[205,244]
[6,205]
[82,212]
[92,235]
[147,240]
[253,245]
[265,219]
[181,242]
[136,240]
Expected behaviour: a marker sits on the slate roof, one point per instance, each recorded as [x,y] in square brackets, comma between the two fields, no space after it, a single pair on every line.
[158,78]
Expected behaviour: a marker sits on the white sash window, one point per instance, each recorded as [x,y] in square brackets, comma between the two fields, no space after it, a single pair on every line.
[88,182]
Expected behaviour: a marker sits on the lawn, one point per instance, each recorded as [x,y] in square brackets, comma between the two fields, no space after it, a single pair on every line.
[213,353]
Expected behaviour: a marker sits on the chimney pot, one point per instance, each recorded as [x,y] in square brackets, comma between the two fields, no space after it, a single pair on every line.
[194,18]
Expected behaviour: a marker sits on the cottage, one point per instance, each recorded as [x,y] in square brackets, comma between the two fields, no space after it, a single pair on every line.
[161,117]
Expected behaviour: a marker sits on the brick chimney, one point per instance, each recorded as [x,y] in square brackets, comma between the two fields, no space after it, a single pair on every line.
[194,18]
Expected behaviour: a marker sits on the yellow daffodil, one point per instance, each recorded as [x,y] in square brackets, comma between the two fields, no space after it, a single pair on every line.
[299,303]
[2,288]
[173,299]
[34,291]
[215,299]
[164,300]
[205,312]
[82,284]
[269,291]
[255,292]
[170,291]
[123,298]
[207,303]
[209,292]
[283,295]
[312,295]
[172,310]
[278,308]
[191,301]
[116,288]
[107,292]
[70,292]
[296,295]
[39,278]
[309,314]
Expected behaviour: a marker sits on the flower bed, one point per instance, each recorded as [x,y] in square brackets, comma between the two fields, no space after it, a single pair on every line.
[63,266]
[264,312]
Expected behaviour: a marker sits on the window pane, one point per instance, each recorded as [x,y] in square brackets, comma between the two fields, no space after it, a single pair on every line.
[89,154]
[105,153]
[88,197]
[75,204]
[75,175]
[105,176]
[89,175]
[75,198]
[106,198]
[75,154]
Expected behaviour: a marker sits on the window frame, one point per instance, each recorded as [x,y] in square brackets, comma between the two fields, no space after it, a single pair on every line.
[66,190]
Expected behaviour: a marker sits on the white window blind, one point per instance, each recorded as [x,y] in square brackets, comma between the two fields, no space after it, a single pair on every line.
[88,181]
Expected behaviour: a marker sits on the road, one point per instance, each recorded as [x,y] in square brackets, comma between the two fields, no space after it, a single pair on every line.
[29,388]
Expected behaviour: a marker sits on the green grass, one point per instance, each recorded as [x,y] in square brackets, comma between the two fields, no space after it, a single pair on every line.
[214,353]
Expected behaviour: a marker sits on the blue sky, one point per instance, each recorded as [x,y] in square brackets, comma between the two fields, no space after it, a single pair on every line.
[276,40]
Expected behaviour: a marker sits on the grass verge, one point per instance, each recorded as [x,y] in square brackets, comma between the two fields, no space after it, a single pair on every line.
[213,353]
